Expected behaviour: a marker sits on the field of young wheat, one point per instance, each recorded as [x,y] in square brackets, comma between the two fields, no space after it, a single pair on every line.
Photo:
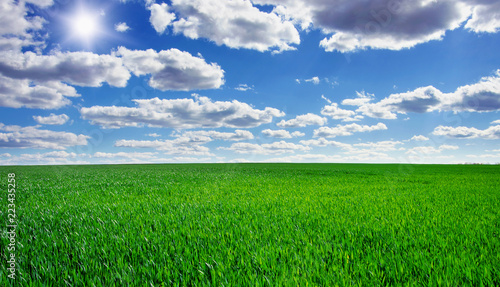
[252,225]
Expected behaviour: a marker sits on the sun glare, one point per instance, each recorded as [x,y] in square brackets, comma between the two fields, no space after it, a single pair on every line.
[84,26]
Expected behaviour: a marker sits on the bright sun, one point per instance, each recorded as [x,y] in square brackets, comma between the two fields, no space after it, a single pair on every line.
[84,25]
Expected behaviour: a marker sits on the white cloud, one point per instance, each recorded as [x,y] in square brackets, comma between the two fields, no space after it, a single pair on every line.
[326,99]
[376,111]
[160,17]
[303,121]
[127,155]
[122,27]
[48,158]
[448,147]
[41,3]
[179,146]
[322,142]
[419,138]
[180,114]
[76,68]
[361,99]
[282,134]
[154,135]
[16,93]
[426,150]
[236,24]
[386,24]
[483,96]
[380,24]
[359,149]
[378,146]
[298,134]
[173,69]
[365,157]
[272,148]
[337,113]
[238,135]
[32,137]
[493,132]
[41,81]
[243,88]
[16,28]
[314,80]
[33,80]
[485,16]
[346,130]
[52,119]
[497,122]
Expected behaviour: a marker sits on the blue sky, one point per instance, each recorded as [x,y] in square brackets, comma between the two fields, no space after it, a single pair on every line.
[249,81]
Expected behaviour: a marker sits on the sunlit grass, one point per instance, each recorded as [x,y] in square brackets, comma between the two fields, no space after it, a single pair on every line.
[256,225]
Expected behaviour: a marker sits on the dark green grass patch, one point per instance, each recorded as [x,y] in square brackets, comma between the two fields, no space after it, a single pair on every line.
[254,225]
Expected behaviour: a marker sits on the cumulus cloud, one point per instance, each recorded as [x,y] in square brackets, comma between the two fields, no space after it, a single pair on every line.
[160,17]
[173,69]
[322,142]
[121,27]
[15,93]
[52,119]
[33,137]
[283,134]
[297,134]
[346,130]
[386,24]
[200,112]
[337,113]
[493,132]
[16,28]
[314,80]
[76,68]
[483,96]
[485,16]
[303,121]
[420,100]
[34,80]
[362,98]
[43,81]
[236,24]
[378,24]
[419,138]
[271,148]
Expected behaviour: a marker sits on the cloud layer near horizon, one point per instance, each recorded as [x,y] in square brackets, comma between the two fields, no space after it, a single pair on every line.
[200,112]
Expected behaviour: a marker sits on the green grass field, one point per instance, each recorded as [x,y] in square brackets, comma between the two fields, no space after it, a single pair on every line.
[254,225]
